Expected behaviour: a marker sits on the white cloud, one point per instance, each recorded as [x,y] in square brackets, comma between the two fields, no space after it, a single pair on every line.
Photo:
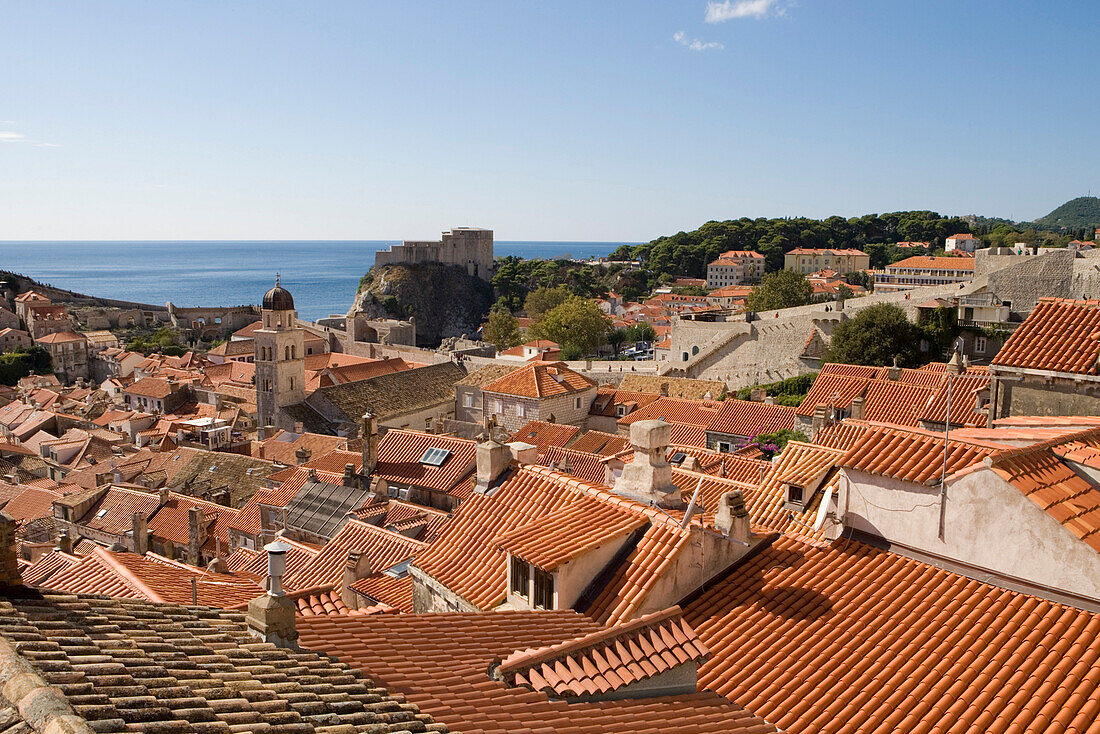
[718,12]
[695,44]
[10,137]
[46,145]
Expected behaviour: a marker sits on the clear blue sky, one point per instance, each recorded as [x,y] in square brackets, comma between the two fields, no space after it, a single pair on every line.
[542,120]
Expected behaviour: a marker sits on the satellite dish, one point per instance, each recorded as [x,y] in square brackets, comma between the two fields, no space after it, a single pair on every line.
[823,510]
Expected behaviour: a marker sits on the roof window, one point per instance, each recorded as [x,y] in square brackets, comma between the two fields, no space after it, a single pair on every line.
[435,456]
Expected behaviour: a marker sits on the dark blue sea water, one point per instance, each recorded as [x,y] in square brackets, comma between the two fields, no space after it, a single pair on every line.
[322,276]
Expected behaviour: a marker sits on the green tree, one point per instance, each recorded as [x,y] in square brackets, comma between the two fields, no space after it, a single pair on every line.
[778,439]
[940,328]
[501,329]
[876,336]
[22,362]
[544,299]
[615,338]
[577,323]
[860,277]
[641,333]
[781,289]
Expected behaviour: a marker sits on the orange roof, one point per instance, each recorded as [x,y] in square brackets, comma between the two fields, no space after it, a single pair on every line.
[686,434]
[676,410]
[887,401]
[396,592]
[834,389]
[150,387]
[539,380]
[400,453]
[911,455]
[152,577]
[598,442]
[963,236]
[852,370]
[543,435]
[580,464]
[925,262]
[850,638]
[170,521]
[824,251]
[605,661]
[1056,488]
[1060,335]
[563,536]
[59,337]
[442,667]
[113,512]
[964,396]
[746,418]
[382,548]
[802,464]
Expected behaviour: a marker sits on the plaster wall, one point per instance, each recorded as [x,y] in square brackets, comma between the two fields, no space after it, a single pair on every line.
[988,523]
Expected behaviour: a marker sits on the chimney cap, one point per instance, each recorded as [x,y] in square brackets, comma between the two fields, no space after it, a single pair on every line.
[278,546]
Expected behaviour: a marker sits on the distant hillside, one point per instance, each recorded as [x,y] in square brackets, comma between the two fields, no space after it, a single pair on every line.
[1080,213]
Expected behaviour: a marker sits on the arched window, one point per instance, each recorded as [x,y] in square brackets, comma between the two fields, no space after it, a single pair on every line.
[695,350]
[293,351]
[286,353]
[291,383]
[685,357]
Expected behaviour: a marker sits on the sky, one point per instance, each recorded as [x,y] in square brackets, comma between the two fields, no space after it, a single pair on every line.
[601,121]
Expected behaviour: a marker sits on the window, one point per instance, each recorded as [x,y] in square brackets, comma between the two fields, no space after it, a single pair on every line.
[291,383]
[544,590]
[979,345]
[435,456]
[468,400]
[521,577]
[577,403]
[519,409]
[498,405]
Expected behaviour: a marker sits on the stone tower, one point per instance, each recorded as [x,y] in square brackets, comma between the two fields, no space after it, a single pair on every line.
[280,358]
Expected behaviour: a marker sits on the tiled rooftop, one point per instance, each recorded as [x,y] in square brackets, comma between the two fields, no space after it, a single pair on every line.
[443,667]
[912,456]
[1059,335]
[555,539]
[540,381]
[127,666]
[400,453]
[382,548]
[542,435]
[676,410]
[748,419]
[609,660]
[849,638]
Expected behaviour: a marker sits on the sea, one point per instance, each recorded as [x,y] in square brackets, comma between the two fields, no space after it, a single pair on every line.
[323,276]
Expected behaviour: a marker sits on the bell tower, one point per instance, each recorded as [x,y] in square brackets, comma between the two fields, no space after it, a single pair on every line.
[280,358]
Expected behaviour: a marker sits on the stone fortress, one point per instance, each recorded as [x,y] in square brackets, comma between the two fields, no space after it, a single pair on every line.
[469,247]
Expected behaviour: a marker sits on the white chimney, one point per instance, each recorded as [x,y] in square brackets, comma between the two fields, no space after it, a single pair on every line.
[648,478]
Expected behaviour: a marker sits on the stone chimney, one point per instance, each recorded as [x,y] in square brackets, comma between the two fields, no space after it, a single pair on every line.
[757,394]
[357,566]
[648,478]
[894,373]
[271,616]
[351,479]
[955,364]
[732,519]
[65,542]
[523,453]
[821,419]
[302,455]
[492,460]
[664,389]
[10,576]
[163,496]
[369,433]
[117,477]
[857,408]
[140,533]
[196,535]
[299,427]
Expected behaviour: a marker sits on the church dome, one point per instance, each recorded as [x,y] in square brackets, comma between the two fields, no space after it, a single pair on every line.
[278,299]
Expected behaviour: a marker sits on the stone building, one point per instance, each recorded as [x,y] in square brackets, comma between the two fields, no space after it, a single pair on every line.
[807,260]
[735,267]
[468,247]
[69,352]
[279,359]
[921,270]
[546,392]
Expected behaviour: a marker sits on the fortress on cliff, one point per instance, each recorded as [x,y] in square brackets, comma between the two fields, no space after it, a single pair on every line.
[469,247]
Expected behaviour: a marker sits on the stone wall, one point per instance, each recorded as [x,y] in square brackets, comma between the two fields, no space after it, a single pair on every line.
[1037,396]
[469,248]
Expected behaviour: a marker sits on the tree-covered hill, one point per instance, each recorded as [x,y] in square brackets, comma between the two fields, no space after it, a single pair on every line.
[687,253]
[1080,213]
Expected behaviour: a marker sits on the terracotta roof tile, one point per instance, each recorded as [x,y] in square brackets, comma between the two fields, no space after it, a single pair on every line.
[605,444]
[685,388]
[887,401]
[1062,493]
[910,455]
[1060,335]
[565,535]
[382,548]
[837,390]
[964,396]
[748,419]
[849,638]
[540,381]
[580,464]
[676,410]
[609,660]
[925,262]
[380,588]
[542,435]
[443,667]
[400,453]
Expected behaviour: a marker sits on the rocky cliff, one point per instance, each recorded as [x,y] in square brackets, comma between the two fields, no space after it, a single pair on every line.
[444,299]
